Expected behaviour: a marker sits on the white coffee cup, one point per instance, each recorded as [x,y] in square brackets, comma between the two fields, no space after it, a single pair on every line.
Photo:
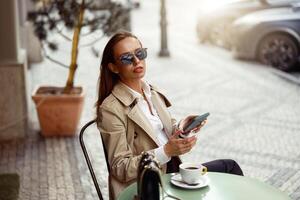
[191,173]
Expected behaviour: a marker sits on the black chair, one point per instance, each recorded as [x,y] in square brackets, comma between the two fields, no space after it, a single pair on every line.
[87,158]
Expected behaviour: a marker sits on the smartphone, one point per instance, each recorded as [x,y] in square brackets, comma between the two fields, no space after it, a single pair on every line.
[195,122]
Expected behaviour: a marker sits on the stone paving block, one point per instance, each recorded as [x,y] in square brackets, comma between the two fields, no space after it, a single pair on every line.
[293,184]
[41,197]
[34,194]
[60,181]
[79,196]
[24,194]
[61,194]
[70,196]
[43,192]
[52,192]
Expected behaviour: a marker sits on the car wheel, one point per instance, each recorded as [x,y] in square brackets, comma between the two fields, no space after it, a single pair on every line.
[278,50]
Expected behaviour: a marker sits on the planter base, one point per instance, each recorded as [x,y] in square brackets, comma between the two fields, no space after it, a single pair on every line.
[59,114]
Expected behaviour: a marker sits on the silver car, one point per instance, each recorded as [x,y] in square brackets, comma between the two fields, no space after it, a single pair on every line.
[271,36]
[214,25]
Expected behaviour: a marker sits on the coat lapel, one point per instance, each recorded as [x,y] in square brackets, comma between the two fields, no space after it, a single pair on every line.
[162,112]
[140,119]
[122,93]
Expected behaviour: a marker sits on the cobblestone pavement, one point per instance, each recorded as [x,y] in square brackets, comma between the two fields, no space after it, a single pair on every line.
[254,113]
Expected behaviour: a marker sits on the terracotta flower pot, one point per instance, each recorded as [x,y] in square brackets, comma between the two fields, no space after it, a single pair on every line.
[58,113]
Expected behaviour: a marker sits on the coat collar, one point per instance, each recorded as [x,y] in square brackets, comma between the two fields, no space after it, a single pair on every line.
[123,94]
[129,99]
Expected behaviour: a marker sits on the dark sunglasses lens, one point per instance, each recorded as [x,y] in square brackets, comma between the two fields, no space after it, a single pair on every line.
[141,54]
[126,59]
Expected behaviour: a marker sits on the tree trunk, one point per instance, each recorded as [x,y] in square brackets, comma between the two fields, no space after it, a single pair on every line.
[74,55]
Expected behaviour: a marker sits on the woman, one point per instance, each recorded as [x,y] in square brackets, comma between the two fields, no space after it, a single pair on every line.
[132,117]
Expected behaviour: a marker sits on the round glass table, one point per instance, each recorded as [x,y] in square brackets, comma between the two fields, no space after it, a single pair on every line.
[221,186]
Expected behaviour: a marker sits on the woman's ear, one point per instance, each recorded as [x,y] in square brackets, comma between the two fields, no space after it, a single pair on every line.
[113,68]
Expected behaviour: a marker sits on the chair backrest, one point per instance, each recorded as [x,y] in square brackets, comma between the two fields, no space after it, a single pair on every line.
[87,158]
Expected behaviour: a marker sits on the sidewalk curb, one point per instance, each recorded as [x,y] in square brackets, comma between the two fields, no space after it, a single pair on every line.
[286,76]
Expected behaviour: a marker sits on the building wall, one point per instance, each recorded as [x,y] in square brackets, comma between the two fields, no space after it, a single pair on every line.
[13,70]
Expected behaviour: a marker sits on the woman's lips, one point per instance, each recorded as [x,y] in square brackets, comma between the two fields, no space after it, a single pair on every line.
[138,70]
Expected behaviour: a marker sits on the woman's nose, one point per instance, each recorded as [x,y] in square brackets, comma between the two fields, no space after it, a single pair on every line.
[135,59]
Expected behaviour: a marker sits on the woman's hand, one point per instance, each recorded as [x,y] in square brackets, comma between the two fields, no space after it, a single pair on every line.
[178,146]
[183,123]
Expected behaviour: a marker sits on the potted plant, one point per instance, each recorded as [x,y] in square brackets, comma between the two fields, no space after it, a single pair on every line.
[59,108]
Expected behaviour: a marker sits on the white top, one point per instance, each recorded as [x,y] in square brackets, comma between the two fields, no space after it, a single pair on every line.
[153,119]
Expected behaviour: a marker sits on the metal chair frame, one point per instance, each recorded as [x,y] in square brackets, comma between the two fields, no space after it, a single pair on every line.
[87,158]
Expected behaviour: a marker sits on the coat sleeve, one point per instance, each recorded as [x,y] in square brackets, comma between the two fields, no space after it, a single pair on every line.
[123,164]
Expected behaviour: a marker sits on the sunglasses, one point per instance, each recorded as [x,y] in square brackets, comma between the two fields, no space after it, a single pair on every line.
[128,58]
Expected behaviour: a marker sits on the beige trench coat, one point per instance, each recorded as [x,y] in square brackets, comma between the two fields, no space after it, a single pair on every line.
[126,133]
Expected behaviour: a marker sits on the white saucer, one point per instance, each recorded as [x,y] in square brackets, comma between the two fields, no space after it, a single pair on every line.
[176,180]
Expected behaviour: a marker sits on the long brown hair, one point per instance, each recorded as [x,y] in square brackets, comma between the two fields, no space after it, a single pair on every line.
[108,79]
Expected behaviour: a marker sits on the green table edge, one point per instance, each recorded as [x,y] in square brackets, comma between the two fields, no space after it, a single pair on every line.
[275,194]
